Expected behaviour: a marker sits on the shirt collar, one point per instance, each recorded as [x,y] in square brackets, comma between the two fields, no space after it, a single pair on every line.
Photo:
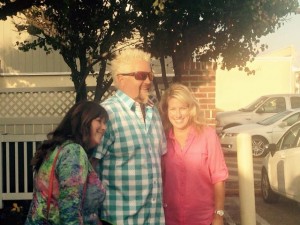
[125,99]
[192,133]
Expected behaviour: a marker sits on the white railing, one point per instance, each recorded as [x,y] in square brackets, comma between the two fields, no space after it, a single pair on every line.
[16,176]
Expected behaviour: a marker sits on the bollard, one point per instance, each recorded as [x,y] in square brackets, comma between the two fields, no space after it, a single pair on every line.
[246,179]
[1,173]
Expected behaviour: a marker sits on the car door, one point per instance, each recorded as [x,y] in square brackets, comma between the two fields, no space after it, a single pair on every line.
[284,165]
[277,160]
[292,168]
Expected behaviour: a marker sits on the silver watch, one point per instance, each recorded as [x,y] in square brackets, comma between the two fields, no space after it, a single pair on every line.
[219,212]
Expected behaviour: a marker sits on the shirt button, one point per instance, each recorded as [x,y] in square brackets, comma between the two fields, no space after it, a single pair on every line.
[153,199]
[165,205]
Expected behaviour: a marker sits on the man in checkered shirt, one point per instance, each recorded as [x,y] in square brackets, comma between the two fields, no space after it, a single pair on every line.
[130,154]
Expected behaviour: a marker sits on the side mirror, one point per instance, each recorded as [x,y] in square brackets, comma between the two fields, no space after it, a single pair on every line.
[283,124]
[271,148]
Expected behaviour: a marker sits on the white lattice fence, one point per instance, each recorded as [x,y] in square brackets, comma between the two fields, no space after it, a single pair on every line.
[36,110]
[18,103]
[39,102]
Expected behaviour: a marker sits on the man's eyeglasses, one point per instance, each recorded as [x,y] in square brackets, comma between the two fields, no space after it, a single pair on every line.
[140,75]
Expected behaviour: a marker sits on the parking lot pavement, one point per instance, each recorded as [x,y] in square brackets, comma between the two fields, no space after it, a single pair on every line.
[232,206]
[232,213]
[232,186]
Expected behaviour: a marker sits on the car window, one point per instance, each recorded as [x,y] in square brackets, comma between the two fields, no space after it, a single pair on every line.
[273,105]
[298,141]
[295,102]
[252,106]
[272,119]
[292,119]
[291,138]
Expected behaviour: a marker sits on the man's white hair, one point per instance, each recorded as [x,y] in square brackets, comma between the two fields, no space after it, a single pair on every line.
[125,57]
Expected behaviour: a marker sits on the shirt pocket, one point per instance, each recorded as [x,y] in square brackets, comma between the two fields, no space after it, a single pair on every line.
[198,160]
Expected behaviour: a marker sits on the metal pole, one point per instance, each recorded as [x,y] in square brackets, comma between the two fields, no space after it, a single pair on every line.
[246,179]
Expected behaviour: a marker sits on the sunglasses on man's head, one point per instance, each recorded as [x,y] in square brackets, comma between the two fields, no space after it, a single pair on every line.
[140,75]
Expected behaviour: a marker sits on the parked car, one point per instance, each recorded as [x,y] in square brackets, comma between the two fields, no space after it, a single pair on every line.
[263,132]
[280,174]
[263,107]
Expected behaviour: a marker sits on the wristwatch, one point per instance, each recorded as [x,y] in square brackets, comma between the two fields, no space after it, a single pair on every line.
[219,212]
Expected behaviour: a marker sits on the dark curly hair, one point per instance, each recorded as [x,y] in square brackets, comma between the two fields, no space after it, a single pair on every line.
[75,126]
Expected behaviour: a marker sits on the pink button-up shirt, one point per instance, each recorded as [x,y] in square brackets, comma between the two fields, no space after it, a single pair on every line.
[189,175]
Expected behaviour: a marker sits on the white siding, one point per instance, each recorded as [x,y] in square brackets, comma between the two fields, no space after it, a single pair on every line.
[14,61]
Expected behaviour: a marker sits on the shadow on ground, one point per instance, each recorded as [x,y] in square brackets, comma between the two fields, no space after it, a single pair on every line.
[14,212]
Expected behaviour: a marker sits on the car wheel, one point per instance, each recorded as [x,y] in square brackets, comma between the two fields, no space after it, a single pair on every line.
[268,195]
[259,146]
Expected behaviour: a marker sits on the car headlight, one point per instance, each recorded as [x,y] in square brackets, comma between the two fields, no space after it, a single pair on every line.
[230,134]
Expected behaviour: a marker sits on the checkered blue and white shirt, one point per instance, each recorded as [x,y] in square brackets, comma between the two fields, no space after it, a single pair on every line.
[130,169]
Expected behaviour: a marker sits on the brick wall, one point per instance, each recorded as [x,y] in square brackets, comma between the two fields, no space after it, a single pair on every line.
[201,79]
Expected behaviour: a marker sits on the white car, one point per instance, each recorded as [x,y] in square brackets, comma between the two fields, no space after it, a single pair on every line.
[262,108]
[263,132]
[280,174]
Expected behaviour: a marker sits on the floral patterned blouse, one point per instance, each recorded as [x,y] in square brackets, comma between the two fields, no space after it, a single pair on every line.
[74,176]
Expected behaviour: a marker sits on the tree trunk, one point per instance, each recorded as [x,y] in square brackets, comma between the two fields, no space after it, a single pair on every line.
[80,86]
[81,94]
[178,66]
[163,72]
[157,92]
[102,84]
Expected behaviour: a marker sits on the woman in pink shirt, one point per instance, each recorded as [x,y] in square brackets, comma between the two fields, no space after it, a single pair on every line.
[194,169]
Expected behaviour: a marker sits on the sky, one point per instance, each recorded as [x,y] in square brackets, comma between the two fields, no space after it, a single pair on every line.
[285,36]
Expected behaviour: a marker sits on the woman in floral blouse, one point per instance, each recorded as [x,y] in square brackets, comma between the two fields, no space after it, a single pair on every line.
[74,193]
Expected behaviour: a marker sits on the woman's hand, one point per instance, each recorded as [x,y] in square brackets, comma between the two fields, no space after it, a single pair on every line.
[218,220]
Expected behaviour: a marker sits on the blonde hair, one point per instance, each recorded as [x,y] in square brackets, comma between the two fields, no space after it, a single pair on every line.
[125,57]
[182,94]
